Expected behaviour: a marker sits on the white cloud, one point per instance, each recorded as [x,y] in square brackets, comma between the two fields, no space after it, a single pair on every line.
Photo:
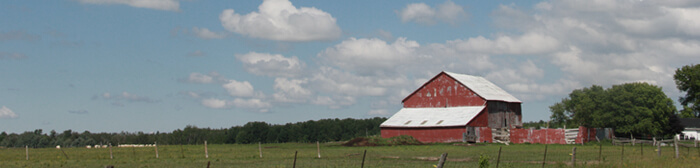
[214,103]
[200,78]
[371,56]
[7,113]
[239,89]
[291,90]
[124,96]
[274,65]
[205,33]
[448,12]
[378,112]
[531,43]
[168,5]
[252,104]
[280,20]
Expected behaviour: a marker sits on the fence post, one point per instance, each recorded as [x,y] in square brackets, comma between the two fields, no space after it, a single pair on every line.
[318,149]
[64,153]
[632,138]
[498,160]
[442,160]
[260,149]
[206,150]
[573,157]
[110,151]
[363,159]
[545,156]
[295,159]
[26,151]
[675,143]
[155,144]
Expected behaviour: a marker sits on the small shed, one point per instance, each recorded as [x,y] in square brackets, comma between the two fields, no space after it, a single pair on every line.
[692,128]
[454,107]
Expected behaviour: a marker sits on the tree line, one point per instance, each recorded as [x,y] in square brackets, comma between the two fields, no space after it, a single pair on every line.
[639,109]
[324,130]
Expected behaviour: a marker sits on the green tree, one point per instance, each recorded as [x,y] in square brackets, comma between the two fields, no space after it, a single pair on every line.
[687,80]
[632,108]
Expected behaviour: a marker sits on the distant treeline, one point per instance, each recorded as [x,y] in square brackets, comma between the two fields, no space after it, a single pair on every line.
[324,130]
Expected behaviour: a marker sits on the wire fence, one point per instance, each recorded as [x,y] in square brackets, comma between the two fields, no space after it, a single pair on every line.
[332,155]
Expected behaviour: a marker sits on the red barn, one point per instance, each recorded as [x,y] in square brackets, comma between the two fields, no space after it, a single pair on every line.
[453,107]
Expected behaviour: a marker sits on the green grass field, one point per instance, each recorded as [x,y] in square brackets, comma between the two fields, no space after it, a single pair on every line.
[334,155]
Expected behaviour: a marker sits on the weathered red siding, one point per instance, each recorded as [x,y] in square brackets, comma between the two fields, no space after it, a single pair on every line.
[541,136]
[427,135]
[550,136]
[481,120]
[585,134]
[443,91]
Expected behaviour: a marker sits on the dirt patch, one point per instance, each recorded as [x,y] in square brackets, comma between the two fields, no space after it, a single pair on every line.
[359,142]
[431,158]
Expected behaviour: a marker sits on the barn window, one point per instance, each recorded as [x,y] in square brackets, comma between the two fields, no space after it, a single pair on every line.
[424,121]
[440,122]
[407,122]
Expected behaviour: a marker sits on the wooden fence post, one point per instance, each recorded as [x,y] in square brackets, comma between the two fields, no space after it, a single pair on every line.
[442,160]
[363,159]
[206,150]
[156,145]
[260,149]
[110,151]
[318,149]
[26,151]
[498,160]
[64,153]
[294,165]
[545,156]
[573,157]
[675,143]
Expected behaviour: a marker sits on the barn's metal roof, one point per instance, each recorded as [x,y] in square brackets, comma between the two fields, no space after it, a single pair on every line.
[433,117]
[484,88]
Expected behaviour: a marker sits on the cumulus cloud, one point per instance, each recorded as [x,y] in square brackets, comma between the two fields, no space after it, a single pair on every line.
[274,65]
[214,103]
[200,78]
[280,20]
[447,12]
[291,90]
[168,5]
[7,113]
[371,56]
[257,105]
[239,89]
[205,33]
[124,96]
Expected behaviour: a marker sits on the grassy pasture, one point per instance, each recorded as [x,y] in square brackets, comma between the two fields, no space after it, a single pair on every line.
[334,155]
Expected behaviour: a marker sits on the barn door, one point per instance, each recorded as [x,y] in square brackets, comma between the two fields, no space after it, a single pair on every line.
[471,135]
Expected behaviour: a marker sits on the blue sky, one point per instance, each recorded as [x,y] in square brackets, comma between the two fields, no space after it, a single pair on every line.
[122,65]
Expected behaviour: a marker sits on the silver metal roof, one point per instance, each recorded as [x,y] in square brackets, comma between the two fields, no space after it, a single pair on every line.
[484,88]
[433,117]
